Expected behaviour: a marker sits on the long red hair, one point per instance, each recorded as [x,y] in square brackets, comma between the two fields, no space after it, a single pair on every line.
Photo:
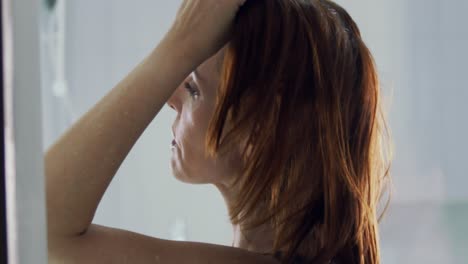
[300,87]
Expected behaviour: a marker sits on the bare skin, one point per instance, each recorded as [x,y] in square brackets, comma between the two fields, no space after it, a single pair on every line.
[81,164]
[194,102]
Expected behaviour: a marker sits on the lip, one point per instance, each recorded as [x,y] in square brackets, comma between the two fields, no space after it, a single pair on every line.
[174,141]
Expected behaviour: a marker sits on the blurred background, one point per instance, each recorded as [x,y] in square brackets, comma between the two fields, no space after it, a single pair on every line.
[420,47]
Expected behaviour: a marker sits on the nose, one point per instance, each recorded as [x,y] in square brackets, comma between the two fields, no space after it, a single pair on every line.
[174,100]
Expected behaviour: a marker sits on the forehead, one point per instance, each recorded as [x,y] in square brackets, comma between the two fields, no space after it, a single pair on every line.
[211,68]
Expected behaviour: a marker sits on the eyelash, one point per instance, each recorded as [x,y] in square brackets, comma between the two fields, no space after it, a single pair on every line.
[192,91]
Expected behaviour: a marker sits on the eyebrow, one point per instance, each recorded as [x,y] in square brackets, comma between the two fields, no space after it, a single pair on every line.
[198,75]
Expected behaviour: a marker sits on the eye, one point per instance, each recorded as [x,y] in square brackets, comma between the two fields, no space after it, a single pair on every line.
[191,90]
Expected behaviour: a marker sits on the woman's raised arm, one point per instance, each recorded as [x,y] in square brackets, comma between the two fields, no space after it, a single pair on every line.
[81,164]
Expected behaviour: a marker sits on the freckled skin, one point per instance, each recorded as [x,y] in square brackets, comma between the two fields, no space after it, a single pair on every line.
[191,124]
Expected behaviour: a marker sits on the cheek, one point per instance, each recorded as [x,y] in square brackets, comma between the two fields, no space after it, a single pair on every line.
[191,164]
[194,126]
[193,167]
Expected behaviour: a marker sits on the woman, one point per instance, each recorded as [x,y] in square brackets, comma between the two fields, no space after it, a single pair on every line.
[277,106]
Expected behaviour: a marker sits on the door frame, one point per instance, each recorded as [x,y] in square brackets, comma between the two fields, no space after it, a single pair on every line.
[23,197]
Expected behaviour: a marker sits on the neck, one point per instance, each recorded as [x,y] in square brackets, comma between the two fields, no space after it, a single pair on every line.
[258,239]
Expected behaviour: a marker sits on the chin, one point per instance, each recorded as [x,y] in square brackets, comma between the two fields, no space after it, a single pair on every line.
[190,178]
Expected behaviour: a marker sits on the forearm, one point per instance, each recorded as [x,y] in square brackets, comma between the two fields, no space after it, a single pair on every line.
[82,163]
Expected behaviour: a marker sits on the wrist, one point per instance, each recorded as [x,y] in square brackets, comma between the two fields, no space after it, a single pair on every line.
[177,48]
[168,64]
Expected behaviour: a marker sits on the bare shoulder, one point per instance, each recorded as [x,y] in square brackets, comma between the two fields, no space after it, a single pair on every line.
[110,245]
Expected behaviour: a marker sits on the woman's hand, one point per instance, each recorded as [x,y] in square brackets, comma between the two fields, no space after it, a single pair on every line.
[202,26]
